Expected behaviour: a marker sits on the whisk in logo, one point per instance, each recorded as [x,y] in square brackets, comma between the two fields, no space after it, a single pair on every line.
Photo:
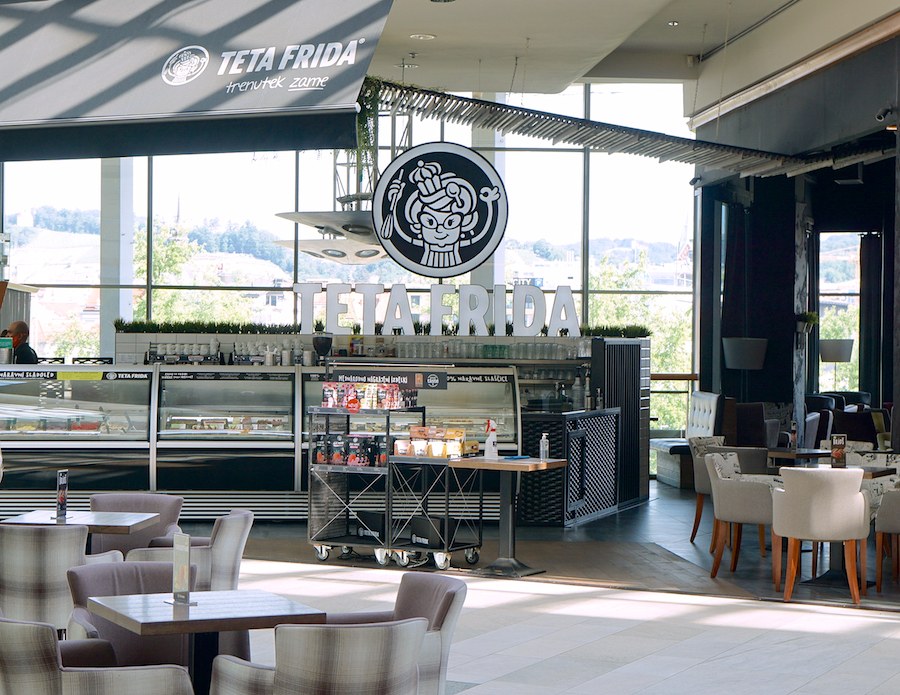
[185,65]
[440,209]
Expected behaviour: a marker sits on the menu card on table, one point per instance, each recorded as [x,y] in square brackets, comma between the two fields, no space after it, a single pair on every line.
[62,492]
[839,450]
[181,571]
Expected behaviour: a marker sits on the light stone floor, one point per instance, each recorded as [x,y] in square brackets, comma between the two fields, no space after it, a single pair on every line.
[541,638]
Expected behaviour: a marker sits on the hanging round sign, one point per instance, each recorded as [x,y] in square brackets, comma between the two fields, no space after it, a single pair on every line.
[440,209]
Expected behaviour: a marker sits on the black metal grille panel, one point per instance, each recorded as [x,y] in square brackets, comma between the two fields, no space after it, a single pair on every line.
[600,467]
[547,498]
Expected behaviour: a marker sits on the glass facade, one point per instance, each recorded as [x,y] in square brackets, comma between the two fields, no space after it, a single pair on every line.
[217,250]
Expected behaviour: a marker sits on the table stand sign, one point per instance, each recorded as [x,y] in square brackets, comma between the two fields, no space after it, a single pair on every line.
[181,571]
[62,491]
[839,451]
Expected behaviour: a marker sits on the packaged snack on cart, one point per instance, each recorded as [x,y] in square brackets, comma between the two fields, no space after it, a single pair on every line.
[338,451]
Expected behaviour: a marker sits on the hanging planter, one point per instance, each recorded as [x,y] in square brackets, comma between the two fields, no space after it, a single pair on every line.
[806,321]
[745,353]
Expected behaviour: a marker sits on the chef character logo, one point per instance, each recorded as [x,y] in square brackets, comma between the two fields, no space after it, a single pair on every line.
[185,65]
[440,209]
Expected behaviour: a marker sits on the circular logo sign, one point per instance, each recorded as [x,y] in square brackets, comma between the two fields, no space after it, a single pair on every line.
[112,375]
[185,65]
[440,209]
[433,381]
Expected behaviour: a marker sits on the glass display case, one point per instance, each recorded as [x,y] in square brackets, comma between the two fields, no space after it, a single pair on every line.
[463,397]
[230,404]
[74,404]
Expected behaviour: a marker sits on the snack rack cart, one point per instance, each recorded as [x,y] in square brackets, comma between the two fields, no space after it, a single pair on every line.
[415,493]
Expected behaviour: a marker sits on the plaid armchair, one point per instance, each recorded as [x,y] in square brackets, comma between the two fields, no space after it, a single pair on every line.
[33,582]
[30,665]
[435,597]
[218,560]
[374,659]
[167,506]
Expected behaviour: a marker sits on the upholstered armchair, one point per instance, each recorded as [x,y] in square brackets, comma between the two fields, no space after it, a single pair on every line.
[699,447]
[118,579]
[85,653]
[218,560]
[738,501]
[373,659]
[33,570]
[433,596]
[823,505]
[887,525]
[167,506]
[30,658]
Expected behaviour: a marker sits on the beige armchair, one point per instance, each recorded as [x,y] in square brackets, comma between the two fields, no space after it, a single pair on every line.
[218,560]
[33,582]
[167,506]
[374,659]
[822,505]
[435,597]
[699,447]
[738,501]
[887,524]
[31,666]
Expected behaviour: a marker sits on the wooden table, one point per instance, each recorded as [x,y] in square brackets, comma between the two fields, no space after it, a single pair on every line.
[216,611]
[97,522]
[506,564]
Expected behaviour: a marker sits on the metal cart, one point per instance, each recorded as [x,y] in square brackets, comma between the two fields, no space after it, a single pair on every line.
[349,503]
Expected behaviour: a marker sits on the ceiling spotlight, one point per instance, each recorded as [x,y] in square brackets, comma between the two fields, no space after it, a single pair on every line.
[334,253]
[673,23]
[312,253]
[367,253]
[422,37]
[694,181]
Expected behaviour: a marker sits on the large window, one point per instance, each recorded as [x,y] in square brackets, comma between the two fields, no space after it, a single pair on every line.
[200,237]
[839,261]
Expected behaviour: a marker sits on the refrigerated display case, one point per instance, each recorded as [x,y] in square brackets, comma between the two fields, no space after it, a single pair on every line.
[93,421]
[226,428]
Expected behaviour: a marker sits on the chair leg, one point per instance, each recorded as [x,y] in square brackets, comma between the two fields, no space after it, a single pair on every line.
[895,558]
[815,558]
[721,535]
[850,562]
[715,536]
[793,560]
[697,516]
[879,560]
[736,545]
[762,540]
[863,570]
[776,559]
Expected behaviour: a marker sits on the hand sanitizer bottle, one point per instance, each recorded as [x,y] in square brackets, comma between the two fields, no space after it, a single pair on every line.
[490,444]
[545,447]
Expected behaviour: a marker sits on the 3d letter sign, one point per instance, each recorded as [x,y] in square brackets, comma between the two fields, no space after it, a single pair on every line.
[440,209]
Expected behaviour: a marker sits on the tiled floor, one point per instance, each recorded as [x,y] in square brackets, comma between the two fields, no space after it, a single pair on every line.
[541,636]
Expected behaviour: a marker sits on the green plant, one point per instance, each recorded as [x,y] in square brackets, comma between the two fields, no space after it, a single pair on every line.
[379,327]
[320,325]
[810,317]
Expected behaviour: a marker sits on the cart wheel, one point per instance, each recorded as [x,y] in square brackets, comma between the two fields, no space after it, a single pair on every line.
[472,555]
[402,558]
[382,557]
[442,561]
[322,552]
[346,549]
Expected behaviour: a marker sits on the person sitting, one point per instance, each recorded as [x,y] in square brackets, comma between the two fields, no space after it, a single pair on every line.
[22,351]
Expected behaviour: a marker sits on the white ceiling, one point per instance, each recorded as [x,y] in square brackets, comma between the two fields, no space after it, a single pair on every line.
[540,46]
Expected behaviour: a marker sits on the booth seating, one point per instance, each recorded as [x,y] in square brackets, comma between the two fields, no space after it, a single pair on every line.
[872,426]
[674,463]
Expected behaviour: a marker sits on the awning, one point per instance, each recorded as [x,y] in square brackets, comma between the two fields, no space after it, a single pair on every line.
[110,78]
[605,137]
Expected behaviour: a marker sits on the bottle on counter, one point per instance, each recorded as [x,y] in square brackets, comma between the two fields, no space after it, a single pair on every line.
[577,392]
[490,443]
[545,447]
